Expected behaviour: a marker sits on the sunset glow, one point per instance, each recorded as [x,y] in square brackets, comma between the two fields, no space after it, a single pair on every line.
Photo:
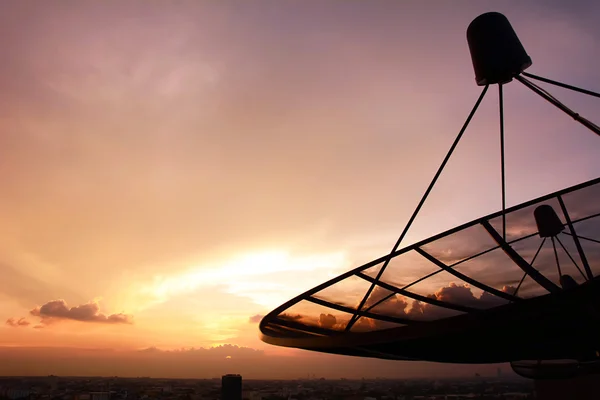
[171,172]
[249,276]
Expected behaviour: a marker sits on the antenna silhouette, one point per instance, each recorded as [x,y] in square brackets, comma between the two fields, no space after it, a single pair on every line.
[493,280]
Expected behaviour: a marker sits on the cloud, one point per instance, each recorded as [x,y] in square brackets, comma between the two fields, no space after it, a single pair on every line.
[460,294]
[393,304]
[327,321]
[403,307]
[90,312]
[290,317]
[457,294]
[255,319]
[152,349]
[228,349]
[16,323]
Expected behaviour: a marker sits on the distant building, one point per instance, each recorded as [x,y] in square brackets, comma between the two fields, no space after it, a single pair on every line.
[231,387]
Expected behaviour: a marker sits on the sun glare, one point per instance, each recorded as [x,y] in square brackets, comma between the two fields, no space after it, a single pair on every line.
[256,276]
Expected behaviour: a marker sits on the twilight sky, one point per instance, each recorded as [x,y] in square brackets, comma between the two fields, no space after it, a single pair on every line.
[173,169]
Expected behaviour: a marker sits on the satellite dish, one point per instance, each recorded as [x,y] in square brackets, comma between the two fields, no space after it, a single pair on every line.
[518,285]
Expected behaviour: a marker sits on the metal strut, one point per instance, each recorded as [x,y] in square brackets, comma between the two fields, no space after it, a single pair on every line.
[584,261]
[570,257]
[355,316]
[547,96]
[563,85]
[582,237]
[556,257]
[531,263]
[501,101]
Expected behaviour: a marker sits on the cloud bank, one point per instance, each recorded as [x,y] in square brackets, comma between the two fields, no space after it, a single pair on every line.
[212,362]
[90,312]
[406,308]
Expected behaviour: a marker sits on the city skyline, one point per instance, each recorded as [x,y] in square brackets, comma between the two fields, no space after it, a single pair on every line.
[174,172]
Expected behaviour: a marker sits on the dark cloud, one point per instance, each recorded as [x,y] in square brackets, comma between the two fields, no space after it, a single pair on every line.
[391,305]
[16,323]
[460,294]
[457,294]
[291,317]
[255,319]
[90,312]
[327,321]
[402,307]
[152,349]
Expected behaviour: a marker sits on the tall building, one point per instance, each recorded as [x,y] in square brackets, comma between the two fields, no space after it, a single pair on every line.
[231,387]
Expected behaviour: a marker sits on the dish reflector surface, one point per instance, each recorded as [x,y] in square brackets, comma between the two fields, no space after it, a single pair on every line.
[438,296]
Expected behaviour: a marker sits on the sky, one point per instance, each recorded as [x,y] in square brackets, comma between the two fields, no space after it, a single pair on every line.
[172,171]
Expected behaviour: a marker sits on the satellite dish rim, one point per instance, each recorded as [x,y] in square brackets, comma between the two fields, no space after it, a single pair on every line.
[417,329]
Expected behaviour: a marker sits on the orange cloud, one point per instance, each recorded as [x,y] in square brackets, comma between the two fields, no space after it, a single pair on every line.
[290,317]
[400,306]
[16,323]
[90,312]
[459,294]
[327,321]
